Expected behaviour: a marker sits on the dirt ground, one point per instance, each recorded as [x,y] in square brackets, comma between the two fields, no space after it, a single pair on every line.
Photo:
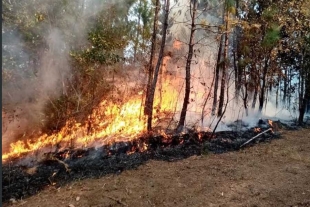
[268,174]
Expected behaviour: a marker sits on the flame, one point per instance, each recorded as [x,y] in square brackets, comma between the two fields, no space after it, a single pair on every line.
[164,134]
[110,122]
[257,129]
[177,44]
[269,122]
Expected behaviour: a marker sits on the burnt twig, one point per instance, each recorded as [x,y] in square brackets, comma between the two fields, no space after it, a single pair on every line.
[270,129]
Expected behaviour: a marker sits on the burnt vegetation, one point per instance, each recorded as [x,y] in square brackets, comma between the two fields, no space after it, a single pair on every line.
[28,174]
[146,80]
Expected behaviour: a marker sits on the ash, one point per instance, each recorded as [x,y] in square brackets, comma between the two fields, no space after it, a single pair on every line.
[26,176]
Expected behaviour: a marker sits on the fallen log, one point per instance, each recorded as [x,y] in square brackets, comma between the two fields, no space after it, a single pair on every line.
[270,129]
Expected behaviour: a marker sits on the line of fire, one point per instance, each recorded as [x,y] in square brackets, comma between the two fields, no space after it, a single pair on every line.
[92,88]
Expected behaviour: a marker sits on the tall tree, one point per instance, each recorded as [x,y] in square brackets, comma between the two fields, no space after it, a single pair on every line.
[141,33]
[151,94]
[217,74]
[150,67]
[227,6]
[193,13]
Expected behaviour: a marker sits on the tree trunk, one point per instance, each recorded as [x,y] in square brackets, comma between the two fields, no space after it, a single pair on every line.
[302,99]
[302,111]
[237,91]
[290,76]
[151,63]
[245,97]
[304,91]
[263,88]
[277,93]
[237,56]
[307,92]
[285,87]
[217,75]
[224,69]
[150,99]
[137,36]
[255,97]
[193,9]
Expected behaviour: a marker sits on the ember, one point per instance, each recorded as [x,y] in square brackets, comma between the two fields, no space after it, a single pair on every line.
[257,129]
[63,166]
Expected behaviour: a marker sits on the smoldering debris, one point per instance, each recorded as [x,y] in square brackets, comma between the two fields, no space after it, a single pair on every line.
[23,177]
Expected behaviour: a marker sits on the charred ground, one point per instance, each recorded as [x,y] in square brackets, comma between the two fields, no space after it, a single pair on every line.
[23,177]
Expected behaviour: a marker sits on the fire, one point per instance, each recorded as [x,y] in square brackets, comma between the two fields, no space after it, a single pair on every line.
[177,44]
[269,122]
[257,129]
[110,123]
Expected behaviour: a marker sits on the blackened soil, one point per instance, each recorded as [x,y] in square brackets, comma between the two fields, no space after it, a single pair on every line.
[22,178]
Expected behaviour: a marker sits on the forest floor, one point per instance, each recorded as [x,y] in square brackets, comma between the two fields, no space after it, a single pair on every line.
[267,174]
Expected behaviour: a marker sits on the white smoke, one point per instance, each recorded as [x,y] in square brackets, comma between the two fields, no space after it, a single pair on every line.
[202,71]
[41,77]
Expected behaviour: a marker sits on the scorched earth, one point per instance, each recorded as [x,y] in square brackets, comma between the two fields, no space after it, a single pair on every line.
[267,174]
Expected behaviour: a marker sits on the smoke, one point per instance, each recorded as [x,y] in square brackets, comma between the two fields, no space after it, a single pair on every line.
[37,63]
[38,74]
[203,62]
[202,71]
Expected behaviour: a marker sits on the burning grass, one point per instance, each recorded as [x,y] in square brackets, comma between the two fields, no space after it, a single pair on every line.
[108,123]
[26,175]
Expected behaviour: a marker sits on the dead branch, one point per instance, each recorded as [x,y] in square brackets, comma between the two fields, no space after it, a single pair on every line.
[255,137]
[48,157]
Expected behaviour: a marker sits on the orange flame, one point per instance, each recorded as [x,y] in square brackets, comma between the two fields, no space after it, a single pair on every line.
[257,129]
[110,122]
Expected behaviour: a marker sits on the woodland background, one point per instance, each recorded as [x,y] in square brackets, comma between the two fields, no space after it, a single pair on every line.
[61,58]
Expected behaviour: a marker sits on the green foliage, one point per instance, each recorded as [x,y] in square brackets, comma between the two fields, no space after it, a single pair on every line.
[270,13]
[146,13]
[272,36]
[93,53]
[230,3]
[142,18]
[230,6]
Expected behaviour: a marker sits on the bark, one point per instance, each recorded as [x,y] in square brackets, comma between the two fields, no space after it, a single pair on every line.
[277,93]
[238,75]
[150,99]
[224,70]
[237,56]
[302,99]
[193,10]
[307,92]
[137,36]
[285,87]
[217,75]
[245,97]
[237,90]
[263,88]
[147,108]
[225,108]
[304,92]
[245,103]
[255,97]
